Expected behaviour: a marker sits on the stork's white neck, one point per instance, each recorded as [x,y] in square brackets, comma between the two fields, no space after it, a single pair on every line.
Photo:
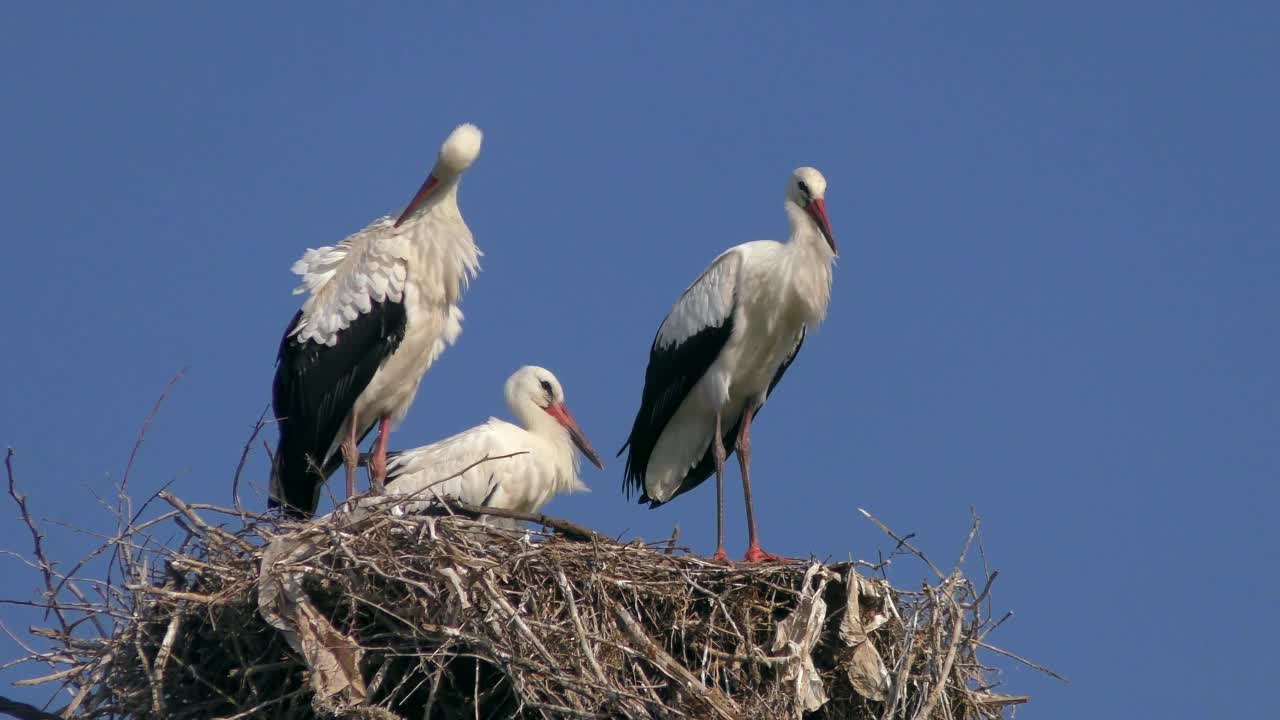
[808,263]
[440,205]
[804,230]
[443,256]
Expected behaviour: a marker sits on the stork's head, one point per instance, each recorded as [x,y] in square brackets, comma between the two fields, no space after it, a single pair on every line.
[459,150]
[535,387]
[807,189]
[457,153]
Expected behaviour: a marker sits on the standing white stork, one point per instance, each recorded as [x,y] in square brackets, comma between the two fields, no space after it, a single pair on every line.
[720,352]
[383,306]
[545,466]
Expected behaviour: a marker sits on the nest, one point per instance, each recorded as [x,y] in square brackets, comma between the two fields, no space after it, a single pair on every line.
[385,616]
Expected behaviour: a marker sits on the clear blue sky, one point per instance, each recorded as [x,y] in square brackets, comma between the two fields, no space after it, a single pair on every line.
[1056,301]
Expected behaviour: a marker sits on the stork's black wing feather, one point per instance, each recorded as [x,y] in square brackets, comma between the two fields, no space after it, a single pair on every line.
[314,390]
[670,376]
[686,345]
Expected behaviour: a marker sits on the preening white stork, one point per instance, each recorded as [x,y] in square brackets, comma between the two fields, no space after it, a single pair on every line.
[720,352]
[547,463]
[383,306]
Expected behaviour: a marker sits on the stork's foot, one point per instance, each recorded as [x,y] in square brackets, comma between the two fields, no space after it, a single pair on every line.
[378,463]
[721,557]
[377,474]
[756,555]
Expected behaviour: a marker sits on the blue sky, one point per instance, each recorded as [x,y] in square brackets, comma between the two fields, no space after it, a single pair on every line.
[1056,299]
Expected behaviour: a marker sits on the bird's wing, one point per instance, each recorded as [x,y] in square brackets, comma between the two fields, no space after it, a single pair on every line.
[705,304]
[347,279]
[315,387]
[449,467]
[687,343]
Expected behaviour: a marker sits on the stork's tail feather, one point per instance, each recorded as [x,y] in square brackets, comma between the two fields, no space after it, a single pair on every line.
[289,493]
[295,481]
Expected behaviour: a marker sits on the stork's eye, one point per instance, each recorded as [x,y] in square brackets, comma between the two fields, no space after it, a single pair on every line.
[546,388]
[804,189]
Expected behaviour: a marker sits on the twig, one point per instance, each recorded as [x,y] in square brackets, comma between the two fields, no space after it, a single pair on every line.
[146,424]
[422,494]
[174,594]
[1024,661]
[166,649]
[986,588]
[264,705]
[190,515]
[37,540]
[583,644]
[968,541]
[244,457]
[566,528]
[675,537]
[904,543]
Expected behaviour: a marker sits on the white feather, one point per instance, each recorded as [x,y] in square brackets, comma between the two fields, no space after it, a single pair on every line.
[705,303]
[344,281]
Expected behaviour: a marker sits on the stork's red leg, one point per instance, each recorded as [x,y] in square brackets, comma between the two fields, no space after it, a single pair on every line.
[351,456]
[754,553]
[717,453]
[378,463]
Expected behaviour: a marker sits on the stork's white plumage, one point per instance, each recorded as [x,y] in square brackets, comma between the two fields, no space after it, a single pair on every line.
[720,352]
[546,463]
[383,305]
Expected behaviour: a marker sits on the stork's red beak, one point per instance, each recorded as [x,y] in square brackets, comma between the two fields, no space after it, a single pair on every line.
[428,186]
[562,416]
[817,209]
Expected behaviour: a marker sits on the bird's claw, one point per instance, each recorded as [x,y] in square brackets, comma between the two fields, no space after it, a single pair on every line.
[721,557]
[756,555]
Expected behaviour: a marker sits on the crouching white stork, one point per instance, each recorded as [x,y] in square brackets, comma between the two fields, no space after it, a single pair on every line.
[383,306]
[720,352]
[526,466]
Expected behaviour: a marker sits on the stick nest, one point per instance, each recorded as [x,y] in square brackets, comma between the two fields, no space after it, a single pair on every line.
[384,616]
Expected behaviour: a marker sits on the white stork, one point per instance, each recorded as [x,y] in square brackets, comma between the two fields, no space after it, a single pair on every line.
[383,306]
[720,352]
[545,466]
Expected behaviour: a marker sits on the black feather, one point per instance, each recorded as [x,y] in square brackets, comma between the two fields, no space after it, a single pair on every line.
[671,375]
[314,390]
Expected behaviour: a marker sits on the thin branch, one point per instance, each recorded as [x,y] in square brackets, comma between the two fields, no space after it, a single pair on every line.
[566,528]
[244,456]
[581,632]
[904,542]
[47,572]
[146,424]
[1024,661]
